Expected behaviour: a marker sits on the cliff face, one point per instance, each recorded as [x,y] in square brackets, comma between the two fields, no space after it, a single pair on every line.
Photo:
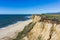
[41,28]
[44,30]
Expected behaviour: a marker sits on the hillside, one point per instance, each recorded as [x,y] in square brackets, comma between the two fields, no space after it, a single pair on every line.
[43,27]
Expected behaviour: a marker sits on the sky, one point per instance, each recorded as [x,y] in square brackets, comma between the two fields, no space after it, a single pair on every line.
[29,6]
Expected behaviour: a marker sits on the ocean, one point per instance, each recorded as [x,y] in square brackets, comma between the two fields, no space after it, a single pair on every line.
[9,19]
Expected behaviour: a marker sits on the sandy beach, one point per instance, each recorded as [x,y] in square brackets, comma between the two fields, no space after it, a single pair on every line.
[11,31]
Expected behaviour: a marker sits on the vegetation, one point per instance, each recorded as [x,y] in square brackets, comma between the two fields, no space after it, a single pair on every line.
[25,31]
[39,38]
[53,17]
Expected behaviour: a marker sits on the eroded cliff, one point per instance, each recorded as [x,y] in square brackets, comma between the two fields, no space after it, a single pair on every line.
[41,28]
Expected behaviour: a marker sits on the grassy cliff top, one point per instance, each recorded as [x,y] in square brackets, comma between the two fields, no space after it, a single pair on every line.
[53,17]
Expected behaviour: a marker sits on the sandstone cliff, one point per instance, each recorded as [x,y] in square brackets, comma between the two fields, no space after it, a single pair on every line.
[41,28]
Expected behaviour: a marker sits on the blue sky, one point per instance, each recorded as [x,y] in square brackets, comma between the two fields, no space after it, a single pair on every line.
[29,6]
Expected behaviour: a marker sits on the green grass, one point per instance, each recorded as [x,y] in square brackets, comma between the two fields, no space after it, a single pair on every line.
[53,16]
[25,31]
[49,16]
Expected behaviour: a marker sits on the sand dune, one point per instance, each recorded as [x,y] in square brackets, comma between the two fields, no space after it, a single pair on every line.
[12,30]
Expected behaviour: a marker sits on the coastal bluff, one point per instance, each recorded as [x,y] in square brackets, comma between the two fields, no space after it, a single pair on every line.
[44,29]
[41,28]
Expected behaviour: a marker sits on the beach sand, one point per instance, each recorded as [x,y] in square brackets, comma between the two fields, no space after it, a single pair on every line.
[11,31]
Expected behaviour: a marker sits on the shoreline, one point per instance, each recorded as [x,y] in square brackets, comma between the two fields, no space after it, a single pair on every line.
[10,25]
[13,24]
[12,30]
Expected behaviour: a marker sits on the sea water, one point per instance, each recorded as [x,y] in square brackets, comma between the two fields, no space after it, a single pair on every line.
[7,19]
